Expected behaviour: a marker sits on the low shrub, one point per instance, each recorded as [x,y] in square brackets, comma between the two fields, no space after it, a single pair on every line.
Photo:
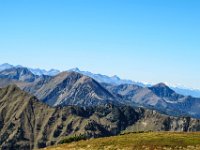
[73,138]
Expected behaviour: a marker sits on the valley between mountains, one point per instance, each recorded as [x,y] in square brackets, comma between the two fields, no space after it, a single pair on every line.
[37,111]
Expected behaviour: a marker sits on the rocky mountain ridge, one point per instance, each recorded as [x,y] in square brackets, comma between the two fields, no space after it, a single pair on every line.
[27,123]
[72,88]
[106,79]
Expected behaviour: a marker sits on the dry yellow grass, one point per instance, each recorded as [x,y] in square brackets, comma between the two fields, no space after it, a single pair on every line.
[138,141]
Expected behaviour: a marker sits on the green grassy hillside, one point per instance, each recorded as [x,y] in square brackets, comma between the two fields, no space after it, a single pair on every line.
[138,141]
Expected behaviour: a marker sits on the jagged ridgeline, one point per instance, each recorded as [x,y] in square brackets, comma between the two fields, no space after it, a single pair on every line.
[72,88]
[39,111]
[27,123]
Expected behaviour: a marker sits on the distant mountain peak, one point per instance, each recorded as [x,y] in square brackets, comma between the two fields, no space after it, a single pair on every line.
[18,73]
[23,70]
[162,90]
[74,69]
[73,88]
[115,80]
[104,78]
[162,85]
[116,77]
[68,73]
[19,70]
[5,64]
[36,71]
[53,70]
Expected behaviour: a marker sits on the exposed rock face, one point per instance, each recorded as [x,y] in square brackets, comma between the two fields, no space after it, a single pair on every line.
[27,123]
[70,88]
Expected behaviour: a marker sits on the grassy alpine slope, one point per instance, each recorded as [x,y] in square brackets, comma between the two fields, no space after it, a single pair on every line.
[138,141]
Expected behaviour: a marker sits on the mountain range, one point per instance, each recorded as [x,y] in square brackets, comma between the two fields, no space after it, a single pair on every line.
[35,71]
[27,123]
[117,81]
[105,79]
[41,110]
[72,88]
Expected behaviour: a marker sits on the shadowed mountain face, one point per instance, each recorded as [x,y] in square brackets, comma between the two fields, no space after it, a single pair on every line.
[27,123]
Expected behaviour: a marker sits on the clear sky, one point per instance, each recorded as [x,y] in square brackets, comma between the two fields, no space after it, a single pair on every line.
[143,40]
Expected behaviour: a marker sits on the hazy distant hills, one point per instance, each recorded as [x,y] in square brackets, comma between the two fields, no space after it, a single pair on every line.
[20,74]
[27,123]
[72,88]
[104,79]
[117,81]
[35,71]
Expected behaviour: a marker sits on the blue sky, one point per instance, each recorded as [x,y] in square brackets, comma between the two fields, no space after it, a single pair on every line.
[143,40]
